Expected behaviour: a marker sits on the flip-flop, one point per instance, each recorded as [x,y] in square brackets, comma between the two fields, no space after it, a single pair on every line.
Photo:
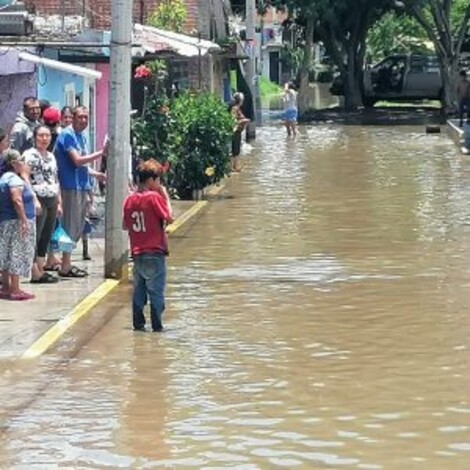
[74,272]
[46,278]
[22,296]
[4,295]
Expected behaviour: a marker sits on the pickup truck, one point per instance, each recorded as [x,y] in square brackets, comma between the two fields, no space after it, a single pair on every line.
[399,77]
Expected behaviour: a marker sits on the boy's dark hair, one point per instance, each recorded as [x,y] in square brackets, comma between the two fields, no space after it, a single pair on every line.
[149,169]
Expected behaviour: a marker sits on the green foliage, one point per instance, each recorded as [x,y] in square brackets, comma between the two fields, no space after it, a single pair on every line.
[268,88]
[170,15]
[291,57]
[396,34]
[152,131]
[192,133]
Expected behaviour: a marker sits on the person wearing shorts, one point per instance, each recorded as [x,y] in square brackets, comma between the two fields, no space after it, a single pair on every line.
[290,109]
[72,156]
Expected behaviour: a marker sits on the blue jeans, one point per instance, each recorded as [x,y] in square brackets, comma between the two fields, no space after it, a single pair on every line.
[149,282]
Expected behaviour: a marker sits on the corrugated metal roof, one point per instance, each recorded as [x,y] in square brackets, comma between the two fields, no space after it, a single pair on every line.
[153,40]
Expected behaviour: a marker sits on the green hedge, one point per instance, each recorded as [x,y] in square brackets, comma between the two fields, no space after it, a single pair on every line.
[192,133]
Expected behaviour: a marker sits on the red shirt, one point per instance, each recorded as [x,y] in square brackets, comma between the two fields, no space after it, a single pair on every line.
[144,215]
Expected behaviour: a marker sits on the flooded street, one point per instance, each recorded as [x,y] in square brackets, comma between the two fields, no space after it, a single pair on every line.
[318,317]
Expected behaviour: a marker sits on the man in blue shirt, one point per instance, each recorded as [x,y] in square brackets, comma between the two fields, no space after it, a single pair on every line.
[71,151]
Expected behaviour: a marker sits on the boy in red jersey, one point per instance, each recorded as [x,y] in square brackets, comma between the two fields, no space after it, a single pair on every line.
[145,213]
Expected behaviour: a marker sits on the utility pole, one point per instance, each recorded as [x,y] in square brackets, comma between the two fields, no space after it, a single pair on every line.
[251,75]
[116,244]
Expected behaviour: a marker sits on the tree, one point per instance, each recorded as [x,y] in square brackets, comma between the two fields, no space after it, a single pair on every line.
[446,24]
[396,33]
[170,15]
[343,26]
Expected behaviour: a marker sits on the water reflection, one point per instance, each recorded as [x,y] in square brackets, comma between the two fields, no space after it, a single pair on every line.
[317,319]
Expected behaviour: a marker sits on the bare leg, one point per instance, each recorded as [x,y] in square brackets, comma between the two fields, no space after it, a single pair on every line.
[294,128]
[287,128]
[52,260]
[236,164]
[38,268]
[66,262]
[14,284]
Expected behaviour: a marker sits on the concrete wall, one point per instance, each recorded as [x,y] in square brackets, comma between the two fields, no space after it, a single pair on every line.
[212,74]
[17,81]
[13,88]
[52,85]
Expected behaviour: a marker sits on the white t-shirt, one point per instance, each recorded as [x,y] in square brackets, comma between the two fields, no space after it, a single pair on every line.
[290,99]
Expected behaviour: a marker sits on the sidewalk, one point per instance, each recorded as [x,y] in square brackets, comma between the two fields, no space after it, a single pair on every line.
[456,134]
[22,323]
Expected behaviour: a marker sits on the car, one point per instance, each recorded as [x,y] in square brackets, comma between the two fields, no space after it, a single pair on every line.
[399,77]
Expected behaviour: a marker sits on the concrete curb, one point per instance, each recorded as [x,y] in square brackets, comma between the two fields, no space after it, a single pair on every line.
[456,134]
[86,305]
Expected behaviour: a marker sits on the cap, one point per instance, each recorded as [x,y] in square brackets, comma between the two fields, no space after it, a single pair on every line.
[51,115]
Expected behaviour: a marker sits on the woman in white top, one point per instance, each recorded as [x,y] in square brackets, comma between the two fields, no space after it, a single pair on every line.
[290,109]
[45,183]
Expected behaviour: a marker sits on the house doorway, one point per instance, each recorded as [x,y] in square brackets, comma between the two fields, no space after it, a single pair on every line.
[274,67]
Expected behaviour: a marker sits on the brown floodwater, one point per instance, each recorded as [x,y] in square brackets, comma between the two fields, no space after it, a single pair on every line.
[318,317]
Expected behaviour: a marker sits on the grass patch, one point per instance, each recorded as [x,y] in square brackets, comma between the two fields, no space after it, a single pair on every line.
[268,89]
[393,104]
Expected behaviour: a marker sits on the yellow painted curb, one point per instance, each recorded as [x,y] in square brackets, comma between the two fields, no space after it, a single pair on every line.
[183,218]
[42,344]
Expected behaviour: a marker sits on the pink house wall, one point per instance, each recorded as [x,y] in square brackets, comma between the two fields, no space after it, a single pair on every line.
[102,103]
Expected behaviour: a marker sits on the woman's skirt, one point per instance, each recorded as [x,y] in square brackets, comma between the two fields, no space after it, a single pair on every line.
[17,250]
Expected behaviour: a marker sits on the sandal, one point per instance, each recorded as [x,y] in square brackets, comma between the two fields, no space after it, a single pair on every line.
[22,296]
[4,295]
[74,272]
[46,278]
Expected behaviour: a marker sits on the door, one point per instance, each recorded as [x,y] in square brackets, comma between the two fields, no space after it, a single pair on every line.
[274,66]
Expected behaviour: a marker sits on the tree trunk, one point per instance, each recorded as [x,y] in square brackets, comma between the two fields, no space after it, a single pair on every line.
[449,73]
[353,85]
[305,68]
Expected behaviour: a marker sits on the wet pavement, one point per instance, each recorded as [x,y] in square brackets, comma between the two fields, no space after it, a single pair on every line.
[317,318]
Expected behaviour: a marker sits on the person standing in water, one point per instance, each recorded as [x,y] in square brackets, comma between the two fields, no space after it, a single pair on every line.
[145,215]
[290,109]
[241,122]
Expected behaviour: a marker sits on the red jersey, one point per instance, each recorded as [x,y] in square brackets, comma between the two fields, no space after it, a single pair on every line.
[144,216]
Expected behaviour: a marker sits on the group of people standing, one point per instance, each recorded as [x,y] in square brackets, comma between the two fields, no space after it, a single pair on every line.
[44,178]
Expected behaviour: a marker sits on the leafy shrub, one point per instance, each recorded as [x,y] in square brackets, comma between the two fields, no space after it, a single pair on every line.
[192,133]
